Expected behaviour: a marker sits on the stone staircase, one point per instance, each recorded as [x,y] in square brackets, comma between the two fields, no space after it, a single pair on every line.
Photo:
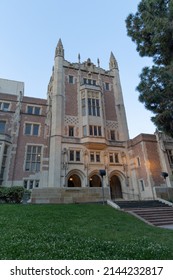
[153,212]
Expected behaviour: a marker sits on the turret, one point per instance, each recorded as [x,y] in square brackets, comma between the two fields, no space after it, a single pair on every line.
[112,62]
[59,49]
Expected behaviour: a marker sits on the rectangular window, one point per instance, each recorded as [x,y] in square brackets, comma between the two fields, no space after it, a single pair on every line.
[93,107]
[2,127]
[77,155]
[4,106]
[71,155]
[28,128]
[33,110]
[99,131]
[32,129]
[91,130]
[106,86]
[95,130]
[25,184]
[97,157]
[98,107]
[89,81]
[31,184]
[71,79]
[92,157]
[35,129]
[112,132]
[113,158]
[74,155]
[89,107]
[33,158]
[116,158]
[71,131]
[37,111]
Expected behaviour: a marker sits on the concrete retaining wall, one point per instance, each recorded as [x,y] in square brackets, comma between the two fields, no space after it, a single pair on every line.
[69,195]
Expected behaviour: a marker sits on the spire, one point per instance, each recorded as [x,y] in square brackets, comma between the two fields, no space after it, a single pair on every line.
[59,49]
[112,62]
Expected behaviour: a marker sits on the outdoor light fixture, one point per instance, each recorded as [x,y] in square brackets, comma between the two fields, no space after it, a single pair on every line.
[164,175]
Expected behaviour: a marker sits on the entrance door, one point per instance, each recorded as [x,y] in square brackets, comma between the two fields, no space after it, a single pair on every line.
[115,186]
[74,181]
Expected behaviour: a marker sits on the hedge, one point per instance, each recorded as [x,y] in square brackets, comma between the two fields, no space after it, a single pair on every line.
[12,194]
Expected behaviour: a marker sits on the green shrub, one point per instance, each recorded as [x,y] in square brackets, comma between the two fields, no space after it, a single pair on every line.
[11,194]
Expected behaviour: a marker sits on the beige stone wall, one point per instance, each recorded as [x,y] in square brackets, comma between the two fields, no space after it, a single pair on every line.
[69,195]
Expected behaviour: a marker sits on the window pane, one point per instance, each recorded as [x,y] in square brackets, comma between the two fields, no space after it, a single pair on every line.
[37,110]
[77,155]
[6,106]
[37,183]
[95,130]
[91,130]
[31,184]
[99,131]
[71,131]
[71,79]
[28,128]
[92,157]
[94,107]
[2,127]
[116,158]
[111,158]
[33,159]
[89,107]
[98,157]
[35,129]
[71,155]
[30,109]
[98,107]
[112,135]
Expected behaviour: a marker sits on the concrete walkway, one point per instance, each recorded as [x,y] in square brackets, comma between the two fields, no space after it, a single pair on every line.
[167,226]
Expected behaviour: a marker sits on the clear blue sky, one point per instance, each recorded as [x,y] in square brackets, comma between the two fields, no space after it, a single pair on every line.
[29,32]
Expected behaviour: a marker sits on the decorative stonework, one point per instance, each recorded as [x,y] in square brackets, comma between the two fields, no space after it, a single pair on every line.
[111,125]
[71,120]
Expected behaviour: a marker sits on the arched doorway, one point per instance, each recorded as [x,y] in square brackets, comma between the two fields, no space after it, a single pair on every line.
[115,187]
[74,181]
[95,181]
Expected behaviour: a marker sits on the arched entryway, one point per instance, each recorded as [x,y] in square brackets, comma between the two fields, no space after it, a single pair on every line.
[115,187]
[74,181]
[95,181]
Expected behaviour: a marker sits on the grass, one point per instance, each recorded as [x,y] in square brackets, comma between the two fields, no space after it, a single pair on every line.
[52,232]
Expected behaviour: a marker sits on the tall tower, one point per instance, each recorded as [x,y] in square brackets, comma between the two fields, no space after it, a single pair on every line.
[57,104]
[120,109]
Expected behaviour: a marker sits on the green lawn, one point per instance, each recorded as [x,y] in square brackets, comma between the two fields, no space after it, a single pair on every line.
[78,232]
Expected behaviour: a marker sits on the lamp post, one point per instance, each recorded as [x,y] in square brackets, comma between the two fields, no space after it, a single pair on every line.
[165,175]
[102,173]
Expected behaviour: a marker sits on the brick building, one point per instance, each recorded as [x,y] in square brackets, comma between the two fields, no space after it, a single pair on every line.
[57,147]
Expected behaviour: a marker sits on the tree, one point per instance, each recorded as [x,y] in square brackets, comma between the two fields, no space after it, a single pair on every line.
[151,28]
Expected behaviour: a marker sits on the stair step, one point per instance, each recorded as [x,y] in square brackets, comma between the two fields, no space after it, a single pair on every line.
[153,211]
